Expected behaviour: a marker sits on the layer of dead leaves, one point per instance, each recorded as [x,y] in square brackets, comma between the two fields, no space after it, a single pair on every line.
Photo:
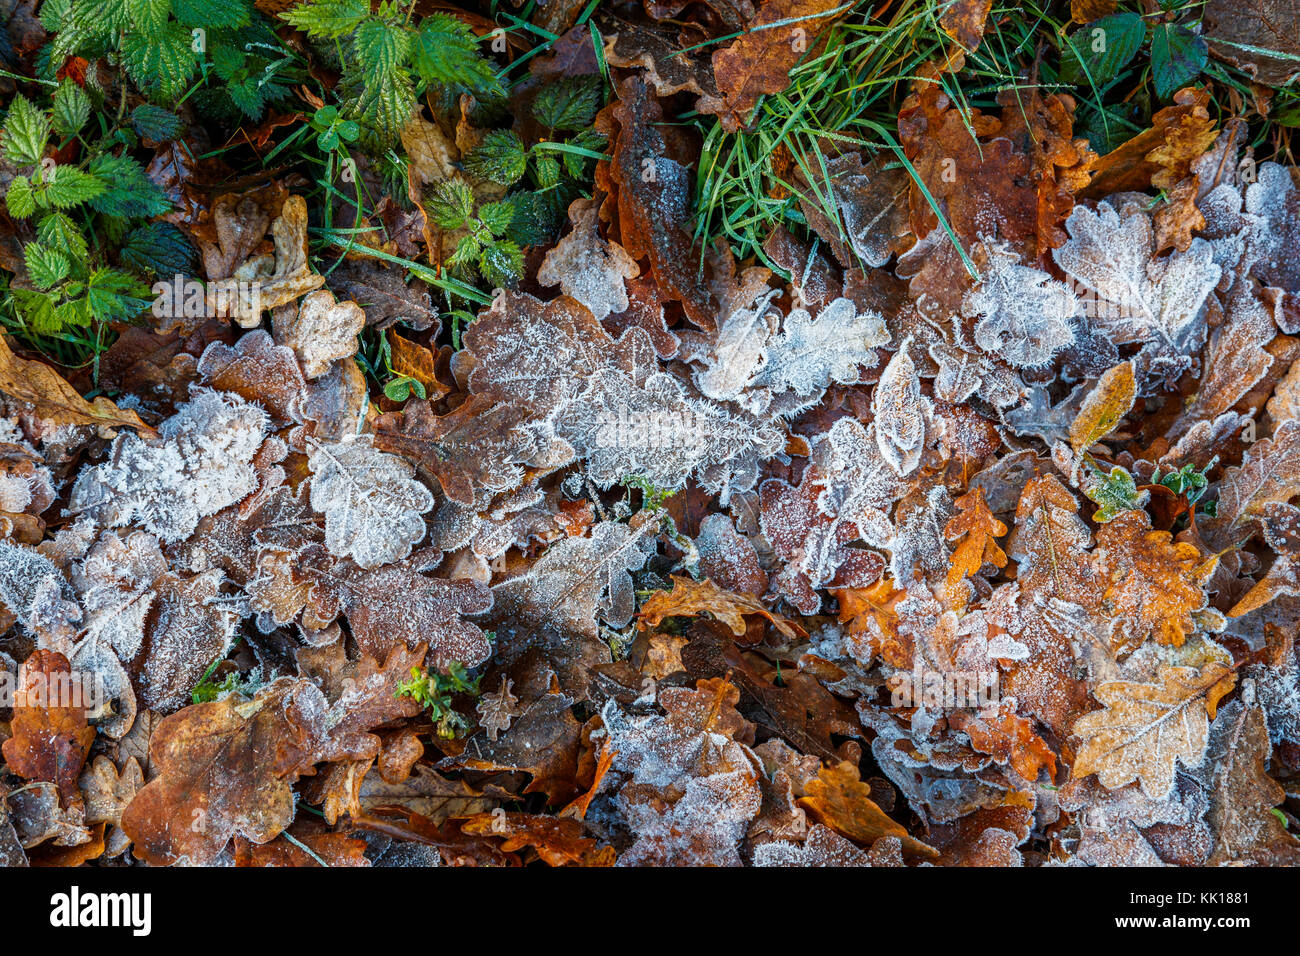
[902,469]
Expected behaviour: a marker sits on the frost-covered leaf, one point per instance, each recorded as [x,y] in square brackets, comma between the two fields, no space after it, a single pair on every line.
[371,502]
[322,331]
[1147,728]
[1023,314]
[587,267]
[808,355]
[201,463]
[901,412]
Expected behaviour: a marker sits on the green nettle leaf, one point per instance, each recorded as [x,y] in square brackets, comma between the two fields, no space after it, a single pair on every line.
[450,203]
[159,248]
[71,108]
[247,95]
[447,52]
[46,267]
[149,16]
[388,95]
[501,158]
[328,18]
[36,310]
[26,130]
[69,186]
[20,199]
[53,14]
[548,172]
[1115,493]
[497,216]
[1177,57]
[382,47]
[130,192]
[211,14]
[1100,50]
[58,231]
[114,296]
[162,63]
[501,263]
[569,104]
[155,123]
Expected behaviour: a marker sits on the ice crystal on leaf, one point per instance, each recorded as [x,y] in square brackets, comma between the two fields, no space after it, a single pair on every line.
[1025,316]
[373,505]
[201,464]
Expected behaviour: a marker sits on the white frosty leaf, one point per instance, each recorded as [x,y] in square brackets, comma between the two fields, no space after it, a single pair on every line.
[116,584]
[321,331]
[1134,297]
[34,589]
[858,483]
[809,355]
[900,413]
[371,502]
[1025,316]
[202,463]
[587,267]
[738,349]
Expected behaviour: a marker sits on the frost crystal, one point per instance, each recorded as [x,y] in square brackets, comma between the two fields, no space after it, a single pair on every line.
[371,502]
[1025,316]
[809,355]
[202,464]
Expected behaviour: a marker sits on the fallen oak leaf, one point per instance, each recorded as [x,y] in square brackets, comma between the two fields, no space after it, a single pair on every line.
[1145,729]
[690,598]
[54,400]
[50,737]
[839,799]
[559,841]
[1109,401]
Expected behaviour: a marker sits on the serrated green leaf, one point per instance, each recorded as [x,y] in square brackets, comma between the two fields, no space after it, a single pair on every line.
[501,264]
[161,64]
[68,186]
[159,248]
[569,104]
[1177,57]
[328,18]
[450,203]
[26,130]
[247,95]
[115,296]
[1099,50]
[155,123]
[1115,493]
[36,310]
[497,216]
[20,199]
[149,16]
[500,158]
[46,267]
[447,52]
[58,231]
[129,193]
[212,14]
[71,108]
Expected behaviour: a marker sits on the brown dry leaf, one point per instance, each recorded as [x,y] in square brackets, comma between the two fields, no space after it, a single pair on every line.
[50,737]
[1009,739]
[872,616]
[498,709]
[276,280]
[652,187]
[838,798]
[690,598]
[320,330]
[965,21]
[1242,794]
[977,530]
[322,848]
[1085,11]
[257,369]
[107,793]
[1109,401]
[416,362]
[1241,33]
[1153,586]
[559,841]
[871,203]
[760,61]
[54,400]
[1147,728]
[1162,155]
[225,768]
